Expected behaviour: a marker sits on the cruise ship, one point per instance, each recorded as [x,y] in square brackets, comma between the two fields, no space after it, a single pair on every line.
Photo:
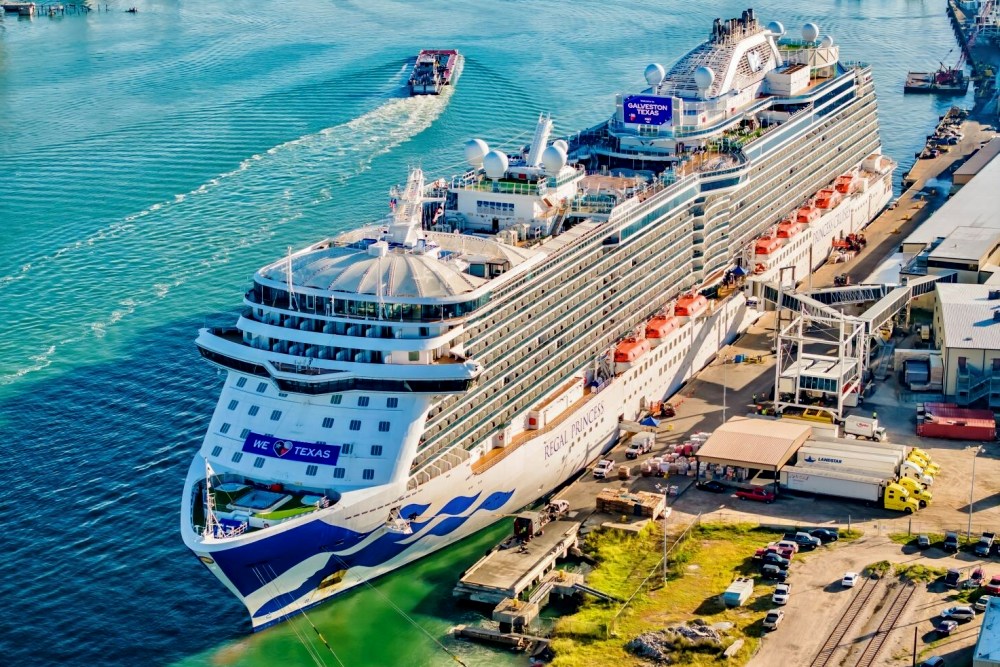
[396,387]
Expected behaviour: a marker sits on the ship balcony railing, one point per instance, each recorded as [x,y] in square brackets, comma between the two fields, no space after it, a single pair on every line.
[236,519]
[502,186]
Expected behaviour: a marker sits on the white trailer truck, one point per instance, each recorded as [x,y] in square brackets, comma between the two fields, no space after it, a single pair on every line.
[844,485]
[864,428]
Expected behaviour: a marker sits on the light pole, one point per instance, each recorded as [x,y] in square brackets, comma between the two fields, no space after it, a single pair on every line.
[972,487]
[664,488]
[725,364]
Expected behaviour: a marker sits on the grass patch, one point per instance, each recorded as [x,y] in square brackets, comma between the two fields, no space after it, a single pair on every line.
[850,535]
[919,573]
[704,565]
[878,567]
[911,539]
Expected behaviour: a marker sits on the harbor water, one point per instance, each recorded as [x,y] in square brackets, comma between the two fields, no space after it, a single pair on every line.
[152,161]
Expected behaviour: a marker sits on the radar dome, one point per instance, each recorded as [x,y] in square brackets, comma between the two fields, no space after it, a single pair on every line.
[776,28]
[654,74]
[560,143]
[826,42]
[495,163]
[553,159]
[810,32]
[475,150]
[703,77]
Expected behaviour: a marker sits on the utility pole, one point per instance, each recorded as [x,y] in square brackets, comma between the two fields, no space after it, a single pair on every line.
[972,488]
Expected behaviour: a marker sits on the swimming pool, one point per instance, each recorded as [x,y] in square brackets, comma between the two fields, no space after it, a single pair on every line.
[259,500]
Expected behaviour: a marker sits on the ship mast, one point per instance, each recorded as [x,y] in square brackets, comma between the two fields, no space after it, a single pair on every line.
[211,521]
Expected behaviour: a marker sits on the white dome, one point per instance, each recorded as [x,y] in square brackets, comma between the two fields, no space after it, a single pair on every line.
[654,74]
[826,42]
[560,143]
[776,28]
[553,159]
[810,32]
[704,77]
[475,149]
[495,163]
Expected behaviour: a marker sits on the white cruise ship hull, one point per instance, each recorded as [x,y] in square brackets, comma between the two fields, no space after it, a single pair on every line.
[281,571]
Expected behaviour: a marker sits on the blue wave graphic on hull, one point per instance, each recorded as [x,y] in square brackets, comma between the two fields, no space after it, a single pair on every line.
[385,547]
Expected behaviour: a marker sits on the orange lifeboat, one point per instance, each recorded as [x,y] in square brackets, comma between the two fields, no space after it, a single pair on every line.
[690,305]
[844,183]
[659,328]
[828,198]
[787,230]
[806,215]
[631,349]
[767,245]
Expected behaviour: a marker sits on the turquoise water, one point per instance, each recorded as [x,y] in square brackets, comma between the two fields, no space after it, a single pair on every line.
[152,162]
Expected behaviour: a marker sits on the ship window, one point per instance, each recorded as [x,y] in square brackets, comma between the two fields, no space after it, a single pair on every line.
[216,450]
[225,428]
[347,448]
[244,433]
[254,409]
[336,399]
[262,387]
[368,473]
[355,425]
[392,402]
[312,470]
[237,457]
[242,382]
[259,462]
[328,422]
[383,427]
[282,394]
[338,473]
[233,403]
[363,401]
[275,415]
[376,450]
[414,356]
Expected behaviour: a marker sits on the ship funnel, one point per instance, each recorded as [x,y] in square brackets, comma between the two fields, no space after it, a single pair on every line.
[541,140]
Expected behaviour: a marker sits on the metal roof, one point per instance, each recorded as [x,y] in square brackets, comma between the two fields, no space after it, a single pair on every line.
[969,244]
[988,646]
[980,158]
[755,443]
[967,316]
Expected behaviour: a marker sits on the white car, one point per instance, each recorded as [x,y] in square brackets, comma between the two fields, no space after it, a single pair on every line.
[604,468]
[849,580]
[773,618]
[960,613]
[781,593]
[981,603]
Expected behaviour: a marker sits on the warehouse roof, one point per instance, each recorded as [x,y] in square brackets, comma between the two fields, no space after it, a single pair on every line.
[980,159]
[988,647]
[975,205]
[967,316]
[969,244]
[765,444]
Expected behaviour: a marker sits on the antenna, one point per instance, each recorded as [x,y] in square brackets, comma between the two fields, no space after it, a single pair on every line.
[211,521]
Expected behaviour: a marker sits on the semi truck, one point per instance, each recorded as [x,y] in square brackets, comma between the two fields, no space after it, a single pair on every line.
[864,428]
[855,455]
[872,490]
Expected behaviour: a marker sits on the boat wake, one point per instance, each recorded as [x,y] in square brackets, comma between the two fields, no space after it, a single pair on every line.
[148,256]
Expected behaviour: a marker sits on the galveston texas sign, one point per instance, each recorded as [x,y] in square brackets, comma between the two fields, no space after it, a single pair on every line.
[647,109]
[291,450]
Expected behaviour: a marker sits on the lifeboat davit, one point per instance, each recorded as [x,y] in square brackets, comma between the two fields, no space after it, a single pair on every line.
[844,184]
[807,214]
[828,198]
[659,328]
[690,305]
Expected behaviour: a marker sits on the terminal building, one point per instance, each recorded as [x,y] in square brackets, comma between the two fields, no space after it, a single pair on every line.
[967,331]
[987,652]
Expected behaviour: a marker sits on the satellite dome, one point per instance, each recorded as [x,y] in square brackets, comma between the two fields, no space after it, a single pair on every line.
[810,32]
[826,42]
[495,163]
[703,77]
[475,149]
[553,159]
[654,74]
[560,143]
[776,28]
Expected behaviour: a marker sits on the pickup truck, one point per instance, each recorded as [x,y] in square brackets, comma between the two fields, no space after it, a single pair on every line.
[951,542]
[985,544]
[758,493]
[773,548]
[804,540]
[604,468]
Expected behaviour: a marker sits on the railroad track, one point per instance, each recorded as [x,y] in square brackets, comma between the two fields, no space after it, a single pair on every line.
[861,599]
[888,623]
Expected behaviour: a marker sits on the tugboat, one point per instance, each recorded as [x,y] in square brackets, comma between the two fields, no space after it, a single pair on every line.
[434,70]
[945,81]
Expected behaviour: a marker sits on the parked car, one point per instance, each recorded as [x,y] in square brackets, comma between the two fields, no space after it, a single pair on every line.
[981,604]
[951,542]
[944,628]
[786,544]
[773,618]
[825,535]
[923,541]
[637,449]
[773,548]
[604,468]
[952,578]
[758,493]
[772,558]
[849,580]
[993,588]
[804,540]
[781,593]
[773,572]
[960,613]
[933,661]
[713,486]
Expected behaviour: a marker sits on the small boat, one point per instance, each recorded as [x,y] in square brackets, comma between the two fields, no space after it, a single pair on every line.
[434,70]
